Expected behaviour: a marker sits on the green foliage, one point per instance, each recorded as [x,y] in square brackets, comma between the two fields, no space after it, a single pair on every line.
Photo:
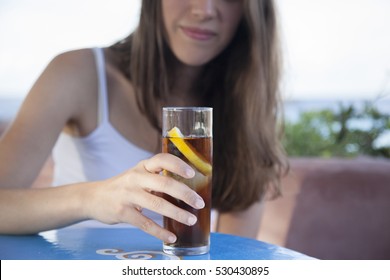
[346,132]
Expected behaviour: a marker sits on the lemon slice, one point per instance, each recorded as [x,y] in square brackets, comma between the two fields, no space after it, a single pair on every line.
[176,137]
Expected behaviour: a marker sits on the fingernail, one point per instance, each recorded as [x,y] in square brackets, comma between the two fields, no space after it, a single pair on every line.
[171,239]
[190,173]
[199,203]
[191,220]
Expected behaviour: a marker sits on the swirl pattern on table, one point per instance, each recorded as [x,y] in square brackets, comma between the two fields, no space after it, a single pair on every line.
[136,255]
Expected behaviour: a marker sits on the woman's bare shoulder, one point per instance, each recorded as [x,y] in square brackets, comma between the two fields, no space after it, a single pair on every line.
[78,65]
[68,84]
[70,75]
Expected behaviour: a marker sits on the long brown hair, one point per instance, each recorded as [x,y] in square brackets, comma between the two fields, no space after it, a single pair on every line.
[241,84]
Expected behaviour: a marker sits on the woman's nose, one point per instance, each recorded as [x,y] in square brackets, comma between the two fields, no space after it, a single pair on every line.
[203,9]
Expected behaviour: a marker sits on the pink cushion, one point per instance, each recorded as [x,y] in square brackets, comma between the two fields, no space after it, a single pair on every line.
[333,209]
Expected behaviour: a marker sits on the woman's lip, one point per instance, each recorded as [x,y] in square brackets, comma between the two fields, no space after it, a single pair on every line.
[198,33]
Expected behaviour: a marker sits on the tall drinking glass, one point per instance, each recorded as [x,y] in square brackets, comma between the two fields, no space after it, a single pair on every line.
[187,133]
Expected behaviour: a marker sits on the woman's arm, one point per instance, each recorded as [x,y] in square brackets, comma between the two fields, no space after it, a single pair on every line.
[116,200]
[57,98]
[245,223]
[28,211]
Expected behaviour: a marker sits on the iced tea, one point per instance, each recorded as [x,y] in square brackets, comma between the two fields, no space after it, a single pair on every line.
[197,235]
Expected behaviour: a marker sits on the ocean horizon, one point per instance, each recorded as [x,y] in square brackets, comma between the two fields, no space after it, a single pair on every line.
[292,108]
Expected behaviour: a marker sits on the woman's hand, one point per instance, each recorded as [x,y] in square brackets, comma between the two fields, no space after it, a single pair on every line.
[122,198]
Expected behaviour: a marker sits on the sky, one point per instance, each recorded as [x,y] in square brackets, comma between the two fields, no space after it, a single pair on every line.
[333,49]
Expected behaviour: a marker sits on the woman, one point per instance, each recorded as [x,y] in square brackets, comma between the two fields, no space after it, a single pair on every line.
[104,127]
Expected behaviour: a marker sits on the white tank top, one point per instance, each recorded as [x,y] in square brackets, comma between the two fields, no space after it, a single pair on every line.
[103,153]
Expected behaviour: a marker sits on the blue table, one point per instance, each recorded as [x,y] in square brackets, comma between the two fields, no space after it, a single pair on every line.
[128,243]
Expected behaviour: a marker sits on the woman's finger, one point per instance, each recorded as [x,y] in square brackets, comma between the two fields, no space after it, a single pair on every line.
[160,205]
[164,161]
[134,217]
[172,187]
